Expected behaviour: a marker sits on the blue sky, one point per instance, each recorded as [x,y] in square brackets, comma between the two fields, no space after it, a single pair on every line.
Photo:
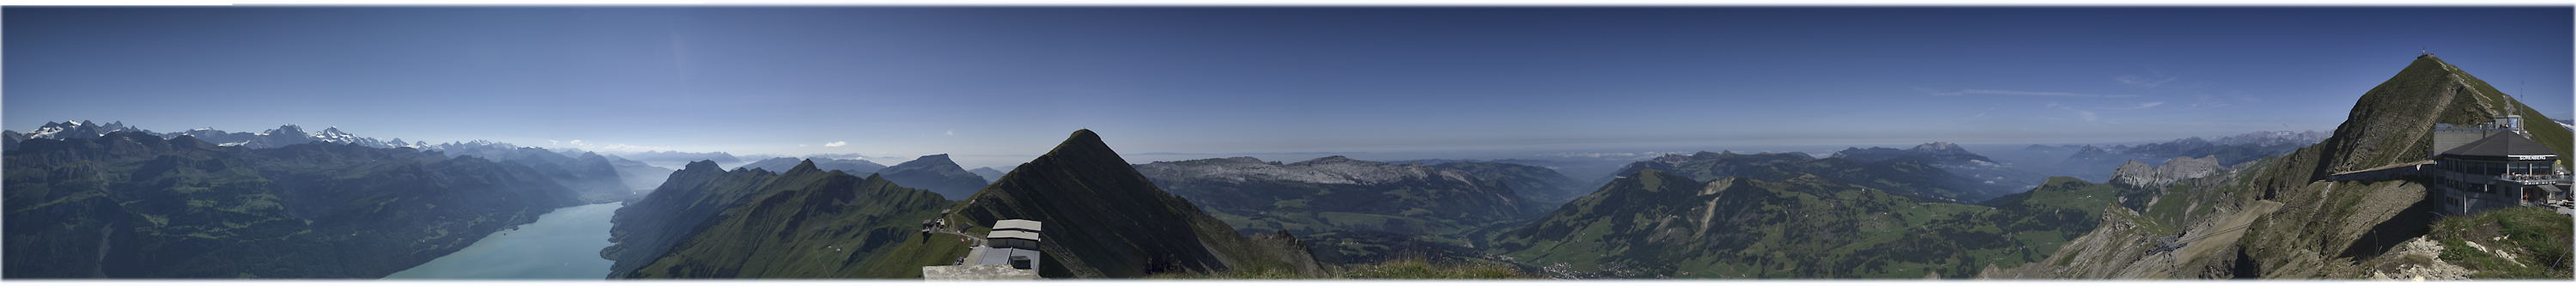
[1008,83]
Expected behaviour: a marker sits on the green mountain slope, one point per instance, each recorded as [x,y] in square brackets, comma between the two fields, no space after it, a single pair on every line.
[132,205]
[803,223]
[2388,124]
[688,200]
[1653,223]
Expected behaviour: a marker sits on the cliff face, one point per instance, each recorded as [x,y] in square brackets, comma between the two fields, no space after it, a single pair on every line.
[2177,169]
[132,205]
[1103,219]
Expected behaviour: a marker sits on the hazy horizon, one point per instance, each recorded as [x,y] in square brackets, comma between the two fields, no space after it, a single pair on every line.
[997,85]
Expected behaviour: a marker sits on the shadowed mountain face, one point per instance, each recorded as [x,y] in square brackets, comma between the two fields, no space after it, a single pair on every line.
[1653,224]
[937,174]
[803,222]
[132,205]
[1104,219]
[1336,198]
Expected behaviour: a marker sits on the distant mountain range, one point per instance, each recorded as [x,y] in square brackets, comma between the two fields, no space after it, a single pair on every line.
[597,177]
[284,135]
[2095,163]
[1356,211]
[1579,169]
[660,157]
[1909,178]
[853,166]
[934,172]
[1987,173]
[989,173]
[937,174]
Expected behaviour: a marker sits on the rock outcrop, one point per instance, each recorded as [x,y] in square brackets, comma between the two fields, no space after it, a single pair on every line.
[2179,168]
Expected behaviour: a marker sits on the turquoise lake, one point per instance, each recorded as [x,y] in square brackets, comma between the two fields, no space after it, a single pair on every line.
[563,244]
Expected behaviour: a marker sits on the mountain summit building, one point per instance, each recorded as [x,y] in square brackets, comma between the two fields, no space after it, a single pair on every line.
[1010,252]
[2500,168]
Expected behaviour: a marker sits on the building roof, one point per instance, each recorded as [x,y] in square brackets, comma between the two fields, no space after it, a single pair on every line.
[1002,256]
[1001,234]
[1019,224]
[2501,144]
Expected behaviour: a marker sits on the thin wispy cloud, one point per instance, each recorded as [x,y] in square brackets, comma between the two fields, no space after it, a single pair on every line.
[2144,82]
[2088,115]
[836,144]
[2015,92]
[2139,106]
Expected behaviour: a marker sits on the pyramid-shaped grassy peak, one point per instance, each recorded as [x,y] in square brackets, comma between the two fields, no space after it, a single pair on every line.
[1103,219]
[1085,142]
[2392,122]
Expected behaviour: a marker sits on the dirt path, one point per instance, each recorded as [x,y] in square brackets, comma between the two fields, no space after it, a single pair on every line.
[979,241]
